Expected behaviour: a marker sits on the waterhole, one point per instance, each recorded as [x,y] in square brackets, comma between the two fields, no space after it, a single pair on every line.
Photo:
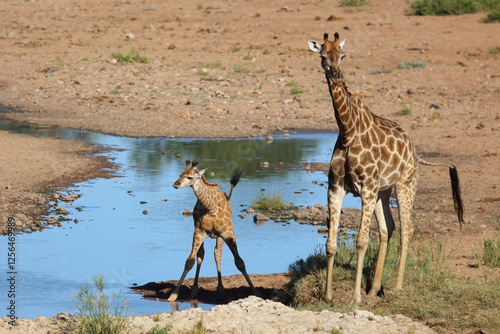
[131,227]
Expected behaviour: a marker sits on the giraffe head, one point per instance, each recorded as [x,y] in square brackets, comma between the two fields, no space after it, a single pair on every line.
[331,55]
[190,175]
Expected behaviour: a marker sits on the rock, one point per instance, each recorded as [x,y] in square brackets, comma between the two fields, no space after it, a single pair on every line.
[187,212]
[259,217]
[250,211]
[242,216]
[198,99]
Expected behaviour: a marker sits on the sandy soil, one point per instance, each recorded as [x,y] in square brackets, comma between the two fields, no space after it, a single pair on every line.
[228,68]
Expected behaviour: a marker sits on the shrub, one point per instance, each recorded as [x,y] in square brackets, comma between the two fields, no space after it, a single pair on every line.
[492,17]
[449,7]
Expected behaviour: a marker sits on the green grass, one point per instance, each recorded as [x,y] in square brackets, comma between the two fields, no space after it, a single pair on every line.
[404,111]
[450,7]
[296,91]
[160,330]
[100,311]
[412,64]
[353,3]
[246,58]
[291,84]
[431,289]
[235,49]
[265,202]
[492,17]
[132,56]
[494,51]
[240,69]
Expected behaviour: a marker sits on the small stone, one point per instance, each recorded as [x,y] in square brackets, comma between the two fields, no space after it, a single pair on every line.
[198,100]
[259,217]
[250,211]
[145,212]
[187,212]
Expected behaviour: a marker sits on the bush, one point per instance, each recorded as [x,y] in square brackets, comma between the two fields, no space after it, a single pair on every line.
[450,7]
[492,17]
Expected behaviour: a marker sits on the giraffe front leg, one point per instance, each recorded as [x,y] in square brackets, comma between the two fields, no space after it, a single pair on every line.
[199,259]
[198,239]
[335,198]
[368,203]
[218,256]
[385,227]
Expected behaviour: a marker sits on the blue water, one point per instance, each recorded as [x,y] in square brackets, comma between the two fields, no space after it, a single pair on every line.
[116,238]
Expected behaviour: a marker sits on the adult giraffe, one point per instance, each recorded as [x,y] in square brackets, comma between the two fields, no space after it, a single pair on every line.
[372,156]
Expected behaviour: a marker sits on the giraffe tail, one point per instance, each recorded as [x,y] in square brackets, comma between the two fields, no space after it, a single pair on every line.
[235,178]
[455,188]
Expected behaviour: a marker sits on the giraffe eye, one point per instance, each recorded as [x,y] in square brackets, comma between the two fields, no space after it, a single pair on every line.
[189,178]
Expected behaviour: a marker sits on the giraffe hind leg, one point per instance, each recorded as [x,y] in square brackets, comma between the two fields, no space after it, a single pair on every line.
[230,240]
[386,227]
[218,256]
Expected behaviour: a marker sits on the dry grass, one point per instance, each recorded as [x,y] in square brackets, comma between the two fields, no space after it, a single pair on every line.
[431,289]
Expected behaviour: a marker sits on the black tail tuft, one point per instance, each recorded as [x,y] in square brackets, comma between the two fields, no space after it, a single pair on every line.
[457,197]
[234,181]
[236,177]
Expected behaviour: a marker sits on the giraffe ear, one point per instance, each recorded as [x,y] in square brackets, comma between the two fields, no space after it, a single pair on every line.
[202,171]
[315,47]
[341,44]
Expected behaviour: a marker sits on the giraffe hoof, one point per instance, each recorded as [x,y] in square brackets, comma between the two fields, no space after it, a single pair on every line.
[172,298]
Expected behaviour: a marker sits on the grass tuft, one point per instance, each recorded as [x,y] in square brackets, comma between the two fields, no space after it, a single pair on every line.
[404,111]
[132,56]
[353,3]
[412,64]
[160,330]
[100,312]
[265,202]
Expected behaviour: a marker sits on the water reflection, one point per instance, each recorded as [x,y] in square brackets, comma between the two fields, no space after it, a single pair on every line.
[114,235]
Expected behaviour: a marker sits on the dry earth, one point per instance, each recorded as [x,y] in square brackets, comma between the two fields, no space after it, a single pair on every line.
[228,68]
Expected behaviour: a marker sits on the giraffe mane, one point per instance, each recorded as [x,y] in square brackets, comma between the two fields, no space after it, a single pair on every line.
[213,184]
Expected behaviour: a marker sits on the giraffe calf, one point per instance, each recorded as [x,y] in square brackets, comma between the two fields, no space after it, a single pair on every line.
[212,218]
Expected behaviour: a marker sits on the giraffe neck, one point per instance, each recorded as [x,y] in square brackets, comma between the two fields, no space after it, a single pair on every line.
[206,193]
[350,113]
